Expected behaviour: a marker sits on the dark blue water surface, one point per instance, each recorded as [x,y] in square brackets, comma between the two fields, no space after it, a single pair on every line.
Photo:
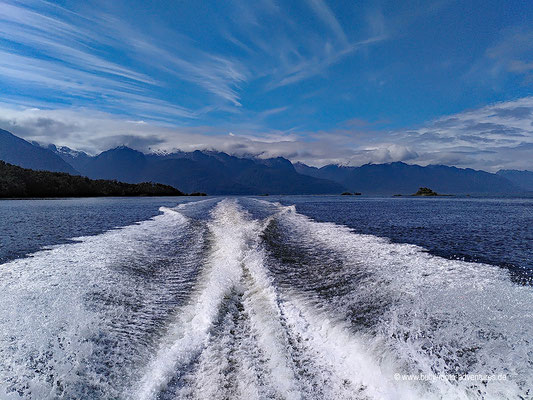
[28,225]
[494,231]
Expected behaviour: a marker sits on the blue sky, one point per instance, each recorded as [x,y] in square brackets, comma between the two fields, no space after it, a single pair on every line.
[312,80]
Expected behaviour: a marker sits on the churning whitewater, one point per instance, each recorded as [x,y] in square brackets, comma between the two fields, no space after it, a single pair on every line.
[247,299]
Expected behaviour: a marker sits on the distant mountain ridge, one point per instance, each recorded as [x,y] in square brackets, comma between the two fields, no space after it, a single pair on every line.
[17,151]
[523,179]
[215,172]
[77,159]
[203,171]
[198,171]
[401,178]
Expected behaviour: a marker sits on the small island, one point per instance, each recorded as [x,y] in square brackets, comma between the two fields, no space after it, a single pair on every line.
[17,182]
[350,194]
[424,191]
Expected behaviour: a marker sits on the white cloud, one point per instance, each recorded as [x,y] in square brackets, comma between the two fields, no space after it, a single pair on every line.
[511,54]
[326,15]
[72,56]
[384,153]
[490,138]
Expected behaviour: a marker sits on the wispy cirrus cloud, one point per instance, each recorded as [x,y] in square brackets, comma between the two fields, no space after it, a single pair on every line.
[64,61]
[68,53]
[59,41]
[97,53]
[326,15]
[509,55]
[313,67]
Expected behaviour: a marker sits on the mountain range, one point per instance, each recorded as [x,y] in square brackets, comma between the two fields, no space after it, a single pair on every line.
[215,172]
[17,151]
[401,178]
[522,179]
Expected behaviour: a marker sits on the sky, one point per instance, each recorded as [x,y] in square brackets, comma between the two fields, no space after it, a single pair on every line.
[317,81]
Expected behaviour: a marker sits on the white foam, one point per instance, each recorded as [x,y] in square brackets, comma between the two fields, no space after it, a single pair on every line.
[438,316]
[231,233]
[261,303]
[47,335]
[262,356]
[341,358]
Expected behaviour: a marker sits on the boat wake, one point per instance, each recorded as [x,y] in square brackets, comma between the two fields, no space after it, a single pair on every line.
[247,299]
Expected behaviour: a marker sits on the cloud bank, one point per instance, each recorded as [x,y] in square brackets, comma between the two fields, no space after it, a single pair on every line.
[490,138]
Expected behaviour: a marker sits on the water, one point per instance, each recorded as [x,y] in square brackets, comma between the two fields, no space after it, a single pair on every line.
[246,298]
[496,231]
[28,225]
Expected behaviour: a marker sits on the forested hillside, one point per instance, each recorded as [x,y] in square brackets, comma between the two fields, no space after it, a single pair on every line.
[19,182]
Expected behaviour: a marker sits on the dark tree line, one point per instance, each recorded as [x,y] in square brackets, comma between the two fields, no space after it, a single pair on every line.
[20,182]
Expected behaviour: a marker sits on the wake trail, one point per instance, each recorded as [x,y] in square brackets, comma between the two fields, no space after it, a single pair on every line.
[231,234]
[247,299]
[71,311]
[242,337]
[413,313]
